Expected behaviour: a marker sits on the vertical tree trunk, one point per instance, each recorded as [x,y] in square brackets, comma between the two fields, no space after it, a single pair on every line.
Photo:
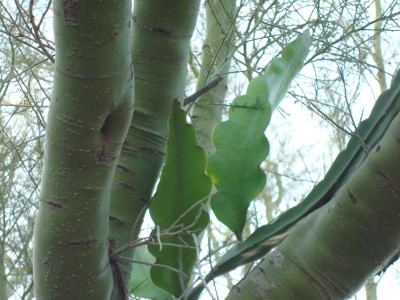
[90,111]
[377,55]
[161,38]
[216,50]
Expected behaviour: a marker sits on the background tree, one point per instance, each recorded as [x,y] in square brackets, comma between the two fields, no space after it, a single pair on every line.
[243,37]
[25,79]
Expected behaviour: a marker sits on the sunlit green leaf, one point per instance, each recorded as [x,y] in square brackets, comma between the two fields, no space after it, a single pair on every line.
[235,166]
[240,142]
[273,85]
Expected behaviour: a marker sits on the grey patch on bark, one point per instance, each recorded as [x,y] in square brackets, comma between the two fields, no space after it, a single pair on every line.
[70,8]
[261,283]
[276,258]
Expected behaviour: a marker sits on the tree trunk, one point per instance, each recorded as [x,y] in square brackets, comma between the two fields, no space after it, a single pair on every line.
[90,112]
[332,252]
[161,39]
[216,56]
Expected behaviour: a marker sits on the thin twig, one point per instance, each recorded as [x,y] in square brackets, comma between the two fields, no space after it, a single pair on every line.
[184,275]
[202,91]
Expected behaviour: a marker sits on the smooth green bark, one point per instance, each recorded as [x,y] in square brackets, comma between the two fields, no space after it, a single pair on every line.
[332,252]
[90,112]
[219,42]
[161,38]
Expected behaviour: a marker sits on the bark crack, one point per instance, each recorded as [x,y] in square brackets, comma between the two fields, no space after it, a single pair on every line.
[124,186]
[324,281]
[156,29]
[393,187]
[116,220]
[125,170]
[116,271]
[353,198]
[54,204]
[90,243]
